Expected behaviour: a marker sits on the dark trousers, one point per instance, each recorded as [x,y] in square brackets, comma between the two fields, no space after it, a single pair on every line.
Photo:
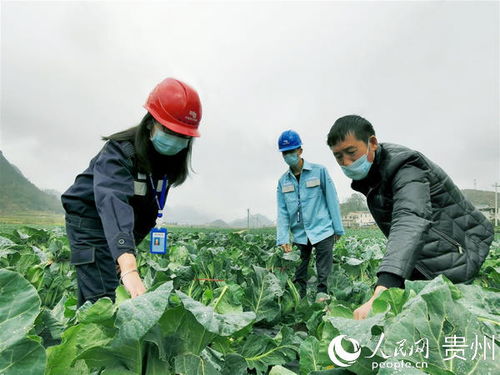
[96,271]
[324,260]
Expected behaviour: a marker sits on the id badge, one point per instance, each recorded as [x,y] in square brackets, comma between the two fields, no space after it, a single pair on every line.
[158,243]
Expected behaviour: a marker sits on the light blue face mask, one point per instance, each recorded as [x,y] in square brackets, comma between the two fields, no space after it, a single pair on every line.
[292,159]
[168,144]
[359,169]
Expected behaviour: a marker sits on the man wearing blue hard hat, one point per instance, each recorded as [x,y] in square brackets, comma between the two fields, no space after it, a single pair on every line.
[308,207]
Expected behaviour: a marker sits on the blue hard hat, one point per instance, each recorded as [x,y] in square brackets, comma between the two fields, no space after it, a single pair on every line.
[289,140]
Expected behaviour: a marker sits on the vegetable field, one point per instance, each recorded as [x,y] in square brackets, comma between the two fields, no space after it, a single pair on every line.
[223,302]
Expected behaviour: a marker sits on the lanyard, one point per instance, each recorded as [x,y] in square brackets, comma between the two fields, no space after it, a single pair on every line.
[161,197]
[299,213]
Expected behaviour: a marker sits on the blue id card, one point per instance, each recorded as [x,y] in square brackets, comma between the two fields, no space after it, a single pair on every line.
[158,244]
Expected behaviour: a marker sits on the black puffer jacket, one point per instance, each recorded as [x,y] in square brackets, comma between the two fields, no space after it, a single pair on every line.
[429,223]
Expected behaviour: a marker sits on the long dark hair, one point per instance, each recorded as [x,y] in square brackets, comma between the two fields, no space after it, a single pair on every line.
[147,160]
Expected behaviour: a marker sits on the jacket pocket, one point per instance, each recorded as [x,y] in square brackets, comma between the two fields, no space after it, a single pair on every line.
[313,192]
[450,240]
[85,255]
[291,200]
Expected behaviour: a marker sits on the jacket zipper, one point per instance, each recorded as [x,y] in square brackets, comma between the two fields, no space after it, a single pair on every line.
[419,269]
[451,240]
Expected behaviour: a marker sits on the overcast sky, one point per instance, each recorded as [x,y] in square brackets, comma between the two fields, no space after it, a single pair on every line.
[426,74]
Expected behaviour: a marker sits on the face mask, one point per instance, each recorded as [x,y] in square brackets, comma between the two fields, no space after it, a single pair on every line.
[168,144]
[291,159]
[359,169]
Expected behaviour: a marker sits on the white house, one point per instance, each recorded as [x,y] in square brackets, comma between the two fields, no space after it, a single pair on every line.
[358,219]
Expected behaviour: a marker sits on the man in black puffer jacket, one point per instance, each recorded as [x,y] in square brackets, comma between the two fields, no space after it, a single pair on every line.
[431,227]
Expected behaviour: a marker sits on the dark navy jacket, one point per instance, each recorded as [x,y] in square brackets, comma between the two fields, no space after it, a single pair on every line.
[112,191]
[430,225]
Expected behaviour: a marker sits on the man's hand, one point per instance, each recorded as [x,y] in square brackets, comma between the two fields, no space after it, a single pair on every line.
[133,283]
[337,237]
[362,312]
[287,247]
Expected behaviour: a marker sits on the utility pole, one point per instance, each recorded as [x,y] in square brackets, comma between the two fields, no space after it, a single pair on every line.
[248,218]
[496,203]
[475,184]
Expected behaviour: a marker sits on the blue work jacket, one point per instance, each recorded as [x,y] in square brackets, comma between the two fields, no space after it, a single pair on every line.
[308,208]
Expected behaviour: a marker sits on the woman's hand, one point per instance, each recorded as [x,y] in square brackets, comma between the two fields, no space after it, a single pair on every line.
[130,276]
[133,283]
[287,247]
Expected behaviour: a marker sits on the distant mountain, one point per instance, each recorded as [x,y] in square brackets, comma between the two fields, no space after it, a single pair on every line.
[256,221]
[19,195]
[481,197]
[357,202]
[53,192]
[185,215]
[217,224]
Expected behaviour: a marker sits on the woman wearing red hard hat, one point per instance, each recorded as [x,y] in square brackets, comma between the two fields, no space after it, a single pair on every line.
[114,203]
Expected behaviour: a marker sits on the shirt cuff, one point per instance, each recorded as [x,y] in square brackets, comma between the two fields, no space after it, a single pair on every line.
[390,280]
[122,243]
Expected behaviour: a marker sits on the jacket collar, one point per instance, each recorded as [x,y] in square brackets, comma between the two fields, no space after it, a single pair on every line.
[306,167]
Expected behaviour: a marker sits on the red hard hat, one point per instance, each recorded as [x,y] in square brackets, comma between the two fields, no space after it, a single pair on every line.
[176,106]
